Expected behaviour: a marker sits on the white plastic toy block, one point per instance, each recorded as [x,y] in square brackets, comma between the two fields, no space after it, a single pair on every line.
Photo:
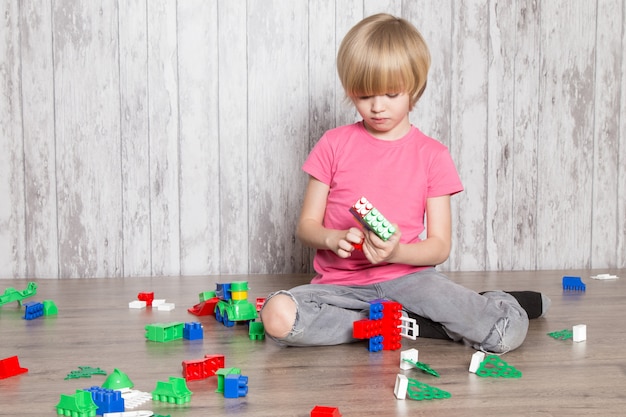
[604,276]
[402,385]
[133,398]
[137,304]
[411,355]
[409,328]
[579,333]
[139,413]
[477,359]
[165,307]
[158,302]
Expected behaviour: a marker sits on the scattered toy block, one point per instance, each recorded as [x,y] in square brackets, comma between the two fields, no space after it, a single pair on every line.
[202,368]
[423,367]
[235,386]
[256,331]
[137,305]
[138,413]
[372,219]
[165,306]
[408,355]
[477,359]
[85,372]
[174,391]
[401,387]
[323,411]
[79,404]
[573,284]
[134,398]
[579,333]
[33,310]
[148,297]
[419,391]
[204,308]
[107,400]
[604,277]
[259,303]
[562,334]
[164,332]
[118,380]
[193,331]
[50,308]
[11,294]
[11,367]
[221,376]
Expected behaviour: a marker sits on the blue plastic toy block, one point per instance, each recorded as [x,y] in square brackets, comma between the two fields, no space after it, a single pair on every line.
[375,344]
[107,400]
[573,284]
[376,311]
[222,291]
[33,310]
[235,386]
[193,331]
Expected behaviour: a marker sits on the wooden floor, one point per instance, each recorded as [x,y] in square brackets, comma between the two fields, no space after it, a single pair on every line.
[96,328]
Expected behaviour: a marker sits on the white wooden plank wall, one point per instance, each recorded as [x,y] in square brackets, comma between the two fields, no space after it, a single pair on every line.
[163,137]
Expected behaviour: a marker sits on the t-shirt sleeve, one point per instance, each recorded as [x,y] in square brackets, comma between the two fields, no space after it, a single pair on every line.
[320,161]
[443,177]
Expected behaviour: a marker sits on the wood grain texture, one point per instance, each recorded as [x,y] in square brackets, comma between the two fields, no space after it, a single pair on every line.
[166,138]
[95,327]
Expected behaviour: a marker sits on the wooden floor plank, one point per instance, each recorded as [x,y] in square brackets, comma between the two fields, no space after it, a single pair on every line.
[96,328]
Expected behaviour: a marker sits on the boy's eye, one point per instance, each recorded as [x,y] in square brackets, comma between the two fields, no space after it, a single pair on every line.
[392,95]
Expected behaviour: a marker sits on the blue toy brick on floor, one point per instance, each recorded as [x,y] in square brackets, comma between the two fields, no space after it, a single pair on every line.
[573,284]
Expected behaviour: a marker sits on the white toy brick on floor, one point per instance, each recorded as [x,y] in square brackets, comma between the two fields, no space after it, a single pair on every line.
[411,355]
[165,307]
[134,398]
[137,304]
[604,276]
[138,413]
[579,333]
[402,385]
[158,302]
[409,328]
[477,359]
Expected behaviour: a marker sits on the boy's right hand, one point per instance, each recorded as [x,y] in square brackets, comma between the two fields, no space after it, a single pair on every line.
[348,242]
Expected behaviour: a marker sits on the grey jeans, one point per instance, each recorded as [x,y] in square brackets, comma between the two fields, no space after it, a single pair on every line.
[492,322]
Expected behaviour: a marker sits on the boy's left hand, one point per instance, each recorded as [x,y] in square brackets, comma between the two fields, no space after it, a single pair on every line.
[377,250]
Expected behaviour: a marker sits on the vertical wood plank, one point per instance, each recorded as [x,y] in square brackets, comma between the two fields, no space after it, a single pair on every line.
[12,218]
[500,135]
[88,138]
[526,116]
[468,145]
[347,14]
[163,130]
[432,112]
[199,137]
[42,256]
[565,147]
[233,138]
[621,172]
[609,53]
[372,7]
[279,131]
[135,148]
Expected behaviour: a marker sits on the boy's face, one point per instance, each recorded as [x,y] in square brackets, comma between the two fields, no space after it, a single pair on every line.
[386,116]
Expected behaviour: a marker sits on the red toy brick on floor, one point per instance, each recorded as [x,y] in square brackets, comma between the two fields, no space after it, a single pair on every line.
[10,367]
[321,411]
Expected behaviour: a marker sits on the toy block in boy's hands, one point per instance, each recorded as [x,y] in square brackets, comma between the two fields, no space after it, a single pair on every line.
[372,219]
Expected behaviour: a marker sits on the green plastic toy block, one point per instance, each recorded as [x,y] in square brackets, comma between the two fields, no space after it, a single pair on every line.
[420,391]
[423,367]
[78,405]
[174,391]
[562,334]
[164,332]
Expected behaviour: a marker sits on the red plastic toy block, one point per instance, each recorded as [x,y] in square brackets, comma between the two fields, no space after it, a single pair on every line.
[148,297]
[259,304]
[202,368]
[10,367]
[321,411]
[364,329]
[204,308]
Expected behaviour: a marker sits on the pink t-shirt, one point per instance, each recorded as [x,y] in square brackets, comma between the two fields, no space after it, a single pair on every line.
[395,176]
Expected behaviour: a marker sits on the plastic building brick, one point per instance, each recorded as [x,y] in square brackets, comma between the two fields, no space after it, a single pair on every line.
[259,303]
[148,297]
[407,357]
[107,400]
[202,368]
[118,380]
[85,372]
[174,391]
[233,305]
[419,391]
[579,333]
[138,413]
[383,328]
[256,330]
[375,344]
[33,310]
[11,367]
[49,308]
[365,328]
[134,398]
[562,334]
[235,386]
[401,387]
[409,328]
[164,306]
[573,284]
[493,366]
[137,305]
[604,276]
[372,219]
[221,376]
[11,294]
[78,405]
[477,359]
[164,332]
[323,411]
[193,331]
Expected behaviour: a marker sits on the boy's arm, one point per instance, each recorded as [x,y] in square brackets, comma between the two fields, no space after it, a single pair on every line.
[433,250]
[311,230]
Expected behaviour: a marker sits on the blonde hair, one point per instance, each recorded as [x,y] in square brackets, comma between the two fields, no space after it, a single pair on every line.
[383,54]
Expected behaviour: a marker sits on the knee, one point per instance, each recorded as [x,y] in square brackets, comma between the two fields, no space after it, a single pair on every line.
[279,315]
